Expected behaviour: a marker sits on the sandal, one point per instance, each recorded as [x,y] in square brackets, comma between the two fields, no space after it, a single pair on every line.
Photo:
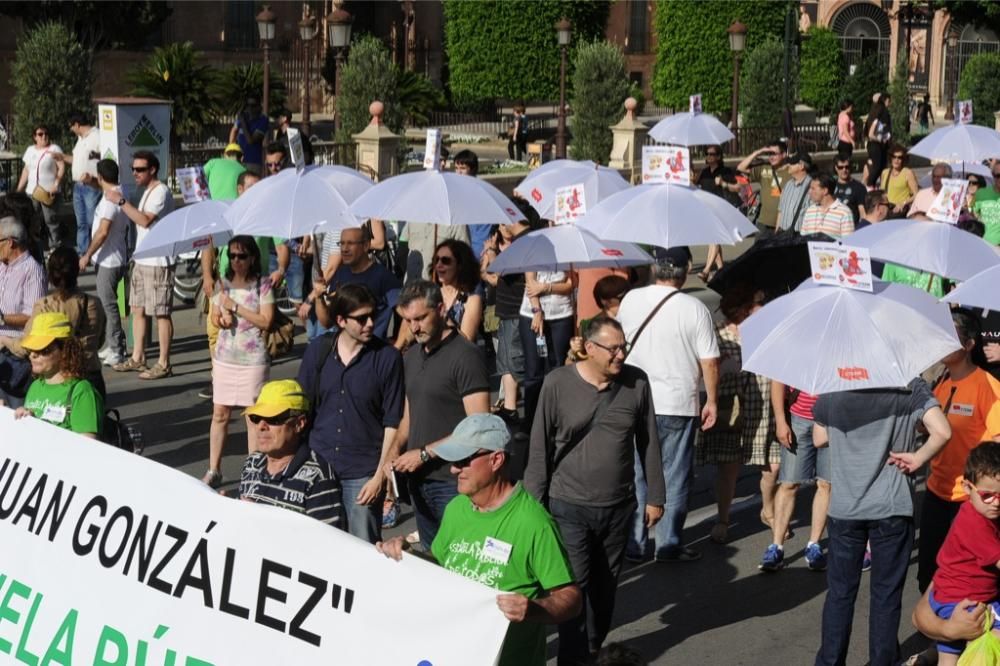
[157,372]
[130,365]
[212,478]
[390,514]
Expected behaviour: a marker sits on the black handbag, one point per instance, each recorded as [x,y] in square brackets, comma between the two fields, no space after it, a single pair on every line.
[15,374]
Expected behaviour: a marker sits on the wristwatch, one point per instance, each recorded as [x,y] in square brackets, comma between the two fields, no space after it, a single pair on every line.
[122,201]
[424,456]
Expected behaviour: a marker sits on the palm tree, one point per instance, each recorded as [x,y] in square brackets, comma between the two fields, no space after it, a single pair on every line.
[234,84]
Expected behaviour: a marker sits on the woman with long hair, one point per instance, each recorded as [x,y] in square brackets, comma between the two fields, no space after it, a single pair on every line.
[40,180]
[878,132]
[59,394]
[243,310]
[898,181]
[455,269]
[845,130]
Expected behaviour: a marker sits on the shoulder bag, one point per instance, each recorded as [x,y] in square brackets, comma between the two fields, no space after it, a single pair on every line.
[40,194]
[280,337]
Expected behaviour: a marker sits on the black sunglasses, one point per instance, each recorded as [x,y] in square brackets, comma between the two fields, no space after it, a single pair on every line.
[444,261]
[277,420]
[362,319]
[465,462]
[140,169]
[843,166]
[273,165]
[239,256]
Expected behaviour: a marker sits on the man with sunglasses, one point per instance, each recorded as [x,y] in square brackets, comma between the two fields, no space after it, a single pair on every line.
[850,191]
[987,207]
[285,471]
[594,433]
[494,532]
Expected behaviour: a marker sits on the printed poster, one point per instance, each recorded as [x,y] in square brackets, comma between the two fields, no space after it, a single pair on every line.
[194,187]
[571,203]
[666,164]
[963,111]
[948,203]
[295,148]
[694,103]
[432,149]
[841,265]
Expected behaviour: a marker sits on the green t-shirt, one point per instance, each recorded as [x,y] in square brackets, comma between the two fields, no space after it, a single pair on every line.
[987,209]
[530,558]
[221,175]
[74,404]
[918,279]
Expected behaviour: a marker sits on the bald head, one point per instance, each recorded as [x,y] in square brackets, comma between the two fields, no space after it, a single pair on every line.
[354,248]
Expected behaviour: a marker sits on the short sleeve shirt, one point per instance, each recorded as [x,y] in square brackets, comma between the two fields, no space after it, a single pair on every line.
[967,561]
[253,153]
[851,194]
[836,221]
[42,166]
[244,344]
[72,405]
[222,175]
[83,163]
[987,209]
[794,197]
[158,200]
[113,252]
[22,282]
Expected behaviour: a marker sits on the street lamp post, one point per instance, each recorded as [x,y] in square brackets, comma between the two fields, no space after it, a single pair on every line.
[563,33]
[737,41]
[949,113]
[307,31]
[338,26]
[265,25]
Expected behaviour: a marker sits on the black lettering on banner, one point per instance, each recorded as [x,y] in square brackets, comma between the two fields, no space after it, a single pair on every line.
[31,505]
[107,560]
[57,509]
[265,592]
[335,595]
[5,511]
[203,582]
[139,544]
[295,626]
[101,505]
[180,538]
[225,605]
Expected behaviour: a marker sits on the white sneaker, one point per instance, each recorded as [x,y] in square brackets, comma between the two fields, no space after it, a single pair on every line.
[113,359]
[104,353]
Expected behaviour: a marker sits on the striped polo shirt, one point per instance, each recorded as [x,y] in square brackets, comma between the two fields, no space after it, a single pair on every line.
[22,282]
[307,485]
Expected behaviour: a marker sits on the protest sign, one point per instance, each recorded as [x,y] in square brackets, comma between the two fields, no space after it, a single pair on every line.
[192,182]
[432,149]
[110,558]
[694,103]
[841,265]
[571,203]
[666,164]
[963,111]
[295,148]
[948,203]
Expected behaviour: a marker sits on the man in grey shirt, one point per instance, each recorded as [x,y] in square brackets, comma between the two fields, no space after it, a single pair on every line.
[592,418]
[794,193]
[873,454]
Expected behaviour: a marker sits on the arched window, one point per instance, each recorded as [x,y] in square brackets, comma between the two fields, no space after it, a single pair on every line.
[864,32]
[972,40]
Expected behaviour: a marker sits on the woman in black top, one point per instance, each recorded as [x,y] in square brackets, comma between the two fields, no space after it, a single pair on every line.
[878,132]
[720,180]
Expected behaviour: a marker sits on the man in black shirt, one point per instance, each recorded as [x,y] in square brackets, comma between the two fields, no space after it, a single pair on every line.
[850,191]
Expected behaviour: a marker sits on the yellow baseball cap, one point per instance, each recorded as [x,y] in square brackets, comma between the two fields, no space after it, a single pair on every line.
[279,396]
[46,328]
[233,148]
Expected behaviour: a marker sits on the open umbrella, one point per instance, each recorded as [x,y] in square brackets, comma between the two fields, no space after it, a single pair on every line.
[566,248]
[691,129]
[186,229]
[291,204]
[932,247]
[599,182]
[667,215]
[959,143]
[778,263]
[823,339]
[438,198]
[978,291]
[959,170]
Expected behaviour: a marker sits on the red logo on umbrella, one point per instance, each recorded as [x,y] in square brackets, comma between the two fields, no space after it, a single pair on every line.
[201,242]
[611,253]
[536,195]
[853,374]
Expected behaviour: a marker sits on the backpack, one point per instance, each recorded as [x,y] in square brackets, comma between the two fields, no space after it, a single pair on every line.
[121,435]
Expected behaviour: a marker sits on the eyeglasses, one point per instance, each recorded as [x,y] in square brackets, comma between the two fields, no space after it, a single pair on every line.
[362,319]
[987,496]
[444,261]
[136,169]
[238,256]
[465,462]
[615,349]
[273,421]
[273,166]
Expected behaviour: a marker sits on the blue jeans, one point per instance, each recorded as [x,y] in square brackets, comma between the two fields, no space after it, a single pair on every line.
[891,542]
[677,450]
[85,200]
[430,497]
[294,276]
[558,333]
[363,520]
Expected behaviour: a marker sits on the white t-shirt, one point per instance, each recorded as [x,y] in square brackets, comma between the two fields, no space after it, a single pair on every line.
[85,145]
[554,306]
[671,346]
[156,199]
[113,251]
[44,173]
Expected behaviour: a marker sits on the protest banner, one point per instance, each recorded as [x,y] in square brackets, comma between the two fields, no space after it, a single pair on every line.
[947,205]
[571,203]
[194,187]
[841,265]
[666,164]
[432,149]
[109,558]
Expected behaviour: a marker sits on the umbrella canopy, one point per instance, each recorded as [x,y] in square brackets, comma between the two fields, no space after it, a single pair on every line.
[959,143]
[290,204]
[959,170]
[186,229]
[437,198]
[778,263]
[823,339]
[566,248]
[979,291]
[599,182]
[691,129]
[667,215]
[932,247]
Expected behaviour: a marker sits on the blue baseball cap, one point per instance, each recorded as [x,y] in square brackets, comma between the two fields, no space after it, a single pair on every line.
[474,433]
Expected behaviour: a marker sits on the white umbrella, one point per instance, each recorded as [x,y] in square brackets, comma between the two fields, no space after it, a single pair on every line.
[959,143]
[668,216]
[959,170]
[979,291]
[599,182]
[932,247]
[823,339]
[438,198]
[290,204]
[691,129]
[566,248]
[186,229]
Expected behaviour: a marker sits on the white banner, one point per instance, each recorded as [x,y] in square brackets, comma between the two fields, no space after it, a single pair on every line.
[841,265]
[112,559]
[432,149]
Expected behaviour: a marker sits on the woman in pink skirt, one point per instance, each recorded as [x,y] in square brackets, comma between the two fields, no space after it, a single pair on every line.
[243,309]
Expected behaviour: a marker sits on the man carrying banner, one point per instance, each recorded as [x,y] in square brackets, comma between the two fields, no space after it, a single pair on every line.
[496,533]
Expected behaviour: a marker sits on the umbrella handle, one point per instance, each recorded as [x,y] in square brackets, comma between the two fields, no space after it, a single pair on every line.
[930,281]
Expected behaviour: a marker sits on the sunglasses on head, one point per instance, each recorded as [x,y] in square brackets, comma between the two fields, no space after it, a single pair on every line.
[465,462]
[239,256]
[274,421]
[444,261]
[362,319]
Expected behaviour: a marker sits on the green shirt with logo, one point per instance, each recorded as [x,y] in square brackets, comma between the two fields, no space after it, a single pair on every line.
[514,548]
[987,209]
[917,279]
[73,404]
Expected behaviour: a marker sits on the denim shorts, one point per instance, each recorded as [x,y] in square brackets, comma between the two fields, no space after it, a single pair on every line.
[510,354]
[944,610]
[804,462]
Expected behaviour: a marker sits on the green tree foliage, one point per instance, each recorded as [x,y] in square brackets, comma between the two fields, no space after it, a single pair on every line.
[233,84]
[985,13]
[980,82]
[177,73]
[51,78]
[761,104]
[868,78]
[693,53]
[507,48]
[367,75]
[418,97]
[600,86]
[95,24]
[899,107]
[821,70]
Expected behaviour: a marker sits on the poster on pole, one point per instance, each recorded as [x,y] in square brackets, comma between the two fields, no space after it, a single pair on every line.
[194,187]
[694,103]
[963,111]
[571,204]
[127,125]
[432,149]
[947,205]
[666,164]
[841,265]
[295,148]
[111,558]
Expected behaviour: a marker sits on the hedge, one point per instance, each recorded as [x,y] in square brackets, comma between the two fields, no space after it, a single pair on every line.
[761,103]
[821,70]
[980,82]
[507,48]
[600,86]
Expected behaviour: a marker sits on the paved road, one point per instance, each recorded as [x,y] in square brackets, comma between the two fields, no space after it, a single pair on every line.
[720,610]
